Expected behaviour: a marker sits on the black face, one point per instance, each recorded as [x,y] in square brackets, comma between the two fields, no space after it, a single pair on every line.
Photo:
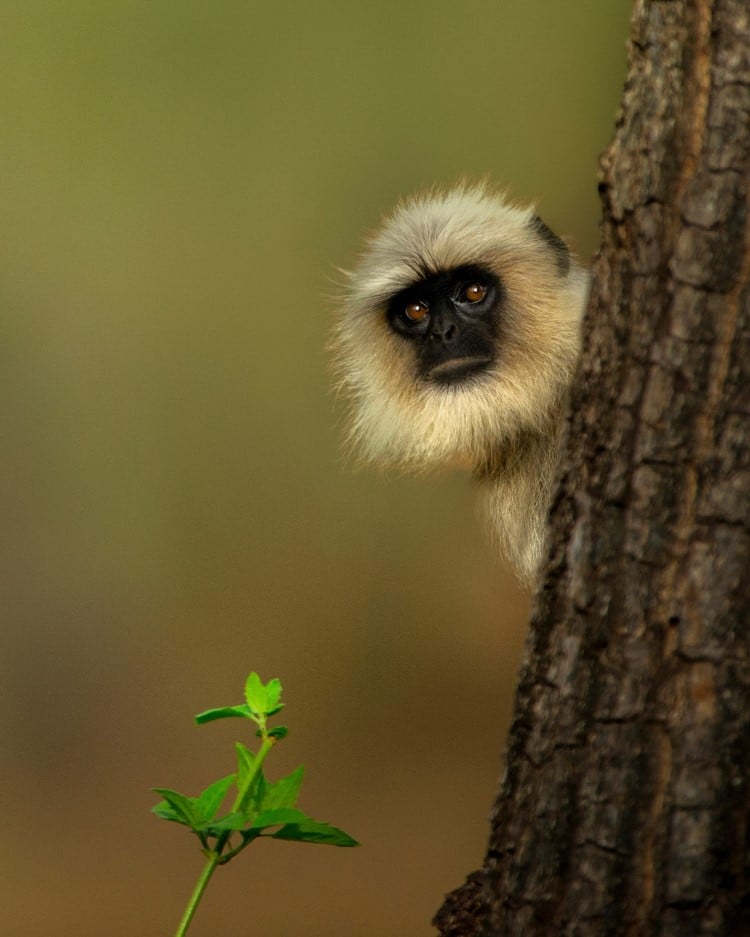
[451,319]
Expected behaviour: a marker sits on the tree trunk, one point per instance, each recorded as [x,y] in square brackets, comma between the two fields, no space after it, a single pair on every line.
[624,809]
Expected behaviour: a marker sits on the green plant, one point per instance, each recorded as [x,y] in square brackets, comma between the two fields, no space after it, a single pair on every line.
[260,808]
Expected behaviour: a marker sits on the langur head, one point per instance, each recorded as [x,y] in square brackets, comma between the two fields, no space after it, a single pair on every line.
[458,336]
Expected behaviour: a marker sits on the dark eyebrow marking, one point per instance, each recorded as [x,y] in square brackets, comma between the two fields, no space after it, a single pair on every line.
[559,247]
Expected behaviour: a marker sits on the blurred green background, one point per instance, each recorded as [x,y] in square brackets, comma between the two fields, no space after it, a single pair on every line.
[179,184]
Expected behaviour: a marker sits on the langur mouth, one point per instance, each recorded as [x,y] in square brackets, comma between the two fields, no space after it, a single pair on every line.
[457,369]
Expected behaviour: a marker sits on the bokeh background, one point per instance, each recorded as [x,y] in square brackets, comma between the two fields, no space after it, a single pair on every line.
[179,183]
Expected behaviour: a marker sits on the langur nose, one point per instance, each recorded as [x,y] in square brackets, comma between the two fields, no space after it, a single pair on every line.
[443,331]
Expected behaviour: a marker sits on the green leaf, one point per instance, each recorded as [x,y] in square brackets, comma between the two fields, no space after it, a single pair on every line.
[223,712]
[284,792]
[281,815]
[163,810]
[245,760]
[263,700]
[255,693]
[181,808]
[232,821]
[311,831]
[257,796]
[209,801]
[279,733]
[273,695]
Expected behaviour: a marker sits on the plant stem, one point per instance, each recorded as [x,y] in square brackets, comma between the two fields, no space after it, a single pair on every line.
[213,859]
[200,887]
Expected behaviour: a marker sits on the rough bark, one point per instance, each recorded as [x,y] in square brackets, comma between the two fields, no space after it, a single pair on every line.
[624,809]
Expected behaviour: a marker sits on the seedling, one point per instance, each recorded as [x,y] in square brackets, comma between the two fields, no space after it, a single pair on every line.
[261,808]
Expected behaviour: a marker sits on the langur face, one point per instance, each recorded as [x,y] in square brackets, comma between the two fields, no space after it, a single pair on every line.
[451,322]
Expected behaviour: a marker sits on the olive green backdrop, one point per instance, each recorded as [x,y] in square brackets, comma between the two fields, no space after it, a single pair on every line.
[179,183]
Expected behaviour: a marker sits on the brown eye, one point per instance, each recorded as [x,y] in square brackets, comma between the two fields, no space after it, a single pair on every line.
[415,312]
[474,292]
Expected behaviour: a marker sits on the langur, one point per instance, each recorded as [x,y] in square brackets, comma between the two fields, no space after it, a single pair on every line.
[456,343]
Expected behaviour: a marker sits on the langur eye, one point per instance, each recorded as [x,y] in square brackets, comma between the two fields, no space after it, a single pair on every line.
[474,292]
[415,312]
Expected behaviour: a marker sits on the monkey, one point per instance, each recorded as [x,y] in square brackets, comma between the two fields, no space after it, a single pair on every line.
[456,342]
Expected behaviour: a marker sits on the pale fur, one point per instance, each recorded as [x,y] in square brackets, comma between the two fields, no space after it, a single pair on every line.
[504,424]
